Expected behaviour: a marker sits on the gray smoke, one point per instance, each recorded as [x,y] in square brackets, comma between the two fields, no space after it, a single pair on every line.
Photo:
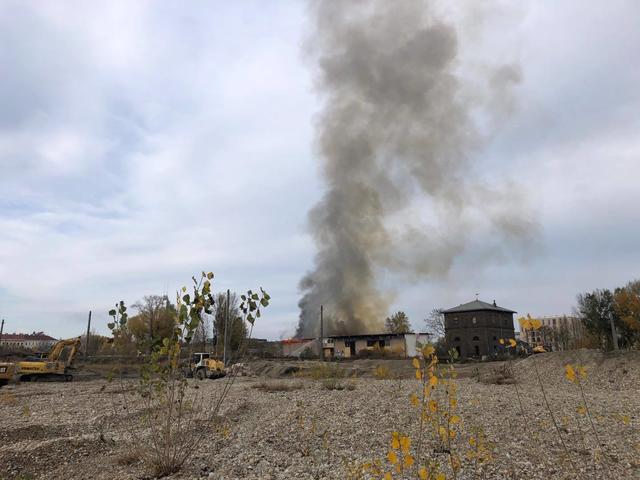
[397,129]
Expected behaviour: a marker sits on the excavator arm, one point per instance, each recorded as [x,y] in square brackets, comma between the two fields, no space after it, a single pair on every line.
[59,347]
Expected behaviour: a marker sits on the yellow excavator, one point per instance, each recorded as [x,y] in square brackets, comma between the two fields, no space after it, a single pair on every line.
[56,366]
[6,372]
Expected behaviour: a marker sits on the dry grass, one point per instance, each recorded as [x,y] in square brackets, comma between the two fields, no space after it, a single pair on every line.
[129,457]
[278,386]
[336,384]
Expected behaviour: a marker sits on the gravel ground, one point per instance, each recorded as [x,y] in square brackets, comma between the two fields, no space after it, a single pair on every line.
[79,430]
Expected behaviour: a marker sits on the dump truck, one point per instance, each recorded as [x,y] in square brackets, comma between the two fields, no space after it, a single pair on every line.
[57,366]
[203,366]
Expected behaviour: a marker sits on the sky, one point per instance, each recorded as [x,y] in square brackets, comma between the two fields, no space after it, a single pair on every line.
[144,142]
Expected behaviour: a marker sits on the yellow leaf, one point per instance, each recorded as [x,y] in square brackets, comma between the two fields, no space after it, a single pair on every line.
[581,410]
[416,363]
[501,341]
[582,371]
[405,443]
[414,400]
[408,461]
[388,476]
[512,342]
[433,381]
[441,476]
[455,419]
[418,375]
[395,440]
[570,373]
[423,474]
[535,323]
[453,403]
[395,444]
[433,405]
[472,442]
[428,350]
[539,349]
[452,434]
[442,431]
[392,457]
[524,323]
[625,419]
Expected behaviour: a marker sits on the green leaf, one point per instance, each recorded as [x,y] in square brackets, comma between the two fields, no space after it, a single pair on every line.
[266,296]
[186,299]
[184,289]
[210,275]
[255,296]
[258,314]
[111,326]
[264,302]
[243,297]
[250,319]
[112,312]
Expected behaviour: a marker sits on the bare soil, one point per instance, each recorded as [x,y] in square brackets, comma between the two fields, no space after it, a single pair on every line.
[78,430]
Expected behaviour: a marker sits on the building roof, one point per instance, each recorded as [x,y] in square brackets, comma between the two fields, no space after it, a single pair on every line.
[35,336]
[477,305]
[377,335]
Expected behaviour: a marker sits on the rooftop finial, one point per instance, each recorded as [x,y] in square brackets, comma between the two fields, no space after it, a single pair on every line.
[477,296]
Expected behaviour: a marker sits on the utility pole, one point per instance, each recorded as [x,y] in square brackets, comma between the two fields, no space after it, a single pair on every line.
[226,329]
[86,347]
[1,330]
[321,333]
[614,334]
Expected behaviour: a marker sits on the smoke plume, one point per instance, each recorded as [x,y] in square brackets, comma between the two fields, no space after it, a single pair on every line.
[396,136]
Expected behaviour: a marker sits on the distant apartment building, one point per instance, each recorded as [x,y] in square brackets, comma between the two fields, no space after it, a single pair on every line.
[560,332]
[37,341]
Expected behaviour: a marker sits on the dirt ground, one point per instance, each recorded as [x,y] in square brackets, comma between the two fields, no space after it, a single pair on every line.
[79,430]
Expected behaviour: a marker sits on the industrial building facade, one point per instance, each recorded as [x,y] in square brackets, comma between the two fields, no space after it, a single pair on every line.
[474,329]
[349,346]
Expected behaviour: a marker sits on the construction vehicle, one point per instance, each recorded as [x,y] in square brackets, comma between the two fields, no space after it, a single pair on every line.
[203,366]
[56,366]
[7,371]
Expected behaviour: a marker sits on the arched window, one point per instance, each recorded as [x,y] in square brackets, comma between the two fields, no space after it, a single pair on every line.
[476,339]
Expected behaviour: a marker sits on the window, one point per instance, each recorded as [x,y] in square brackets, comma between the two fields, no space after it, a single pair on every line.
[457,339]
[473,320]
[476,339]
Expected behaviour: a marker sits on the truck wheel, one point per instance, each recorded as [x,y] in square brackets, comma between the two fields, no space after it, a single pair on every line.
[201,374]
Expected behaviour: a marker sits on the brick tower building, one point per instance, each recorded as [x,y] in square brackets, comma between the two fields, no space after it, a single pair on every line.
[475,328]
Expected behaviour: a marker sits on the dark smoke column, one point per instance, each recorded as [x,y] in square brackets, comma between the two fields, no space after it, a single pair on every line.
[392,128]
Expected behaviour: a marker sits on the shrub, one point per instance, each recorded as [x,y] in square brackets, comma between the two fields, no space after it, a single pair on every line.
[172,417]
[336,384]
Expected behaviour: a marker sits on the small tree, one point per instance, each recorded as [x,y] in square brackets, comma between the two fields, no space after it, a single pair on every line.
[435,323]
[398,323]
[596,310]
[627,307]
[155,320]
[174,418]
